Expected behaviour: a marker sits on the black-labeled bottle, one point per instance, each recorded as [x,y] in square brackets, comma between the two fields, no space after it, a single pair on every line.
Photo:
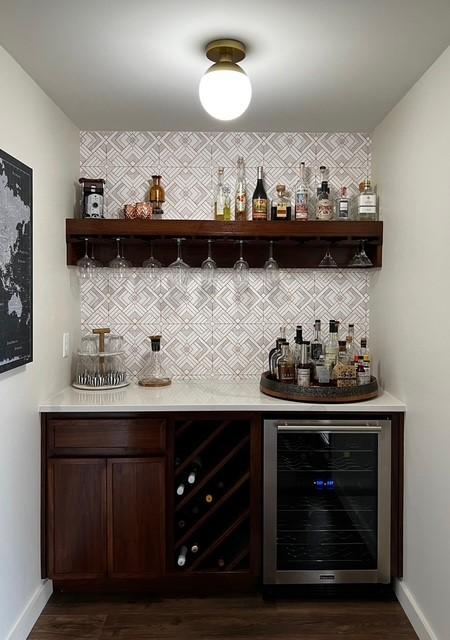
[260,202]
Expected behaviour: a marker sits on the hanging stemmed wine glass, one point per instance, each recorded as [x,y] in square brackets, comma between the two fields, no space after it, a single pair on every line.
[241,269]
[151,265]
[98,264]
[328,262]
[271,268]
[119,264]
[86,265]
[209,266]
[360,260]
[179,268]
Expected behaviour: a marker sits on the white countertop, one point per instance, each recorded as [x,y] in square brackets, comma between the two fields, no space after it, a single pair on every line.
[201,395]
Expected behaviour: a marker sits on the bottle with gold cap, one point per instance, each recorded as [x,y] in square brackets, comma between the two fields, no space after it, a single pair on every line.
[367,201]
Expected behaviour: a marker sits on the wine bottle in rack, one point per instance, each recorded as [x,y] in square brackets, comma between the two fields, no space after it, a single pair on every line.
[180,489]
[194,472]
[221,563]
[181,524]
[195,548]
[181,561]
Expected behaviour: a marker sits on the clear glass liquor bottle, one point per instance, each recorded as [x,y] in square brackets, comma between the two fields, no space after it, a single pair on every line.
[304,366]
[297,344]
[350,341]
[332,346]
[286,369]
[219,196]
[227,204]
[343,205]
[240,196]
[301,195]
[367,202]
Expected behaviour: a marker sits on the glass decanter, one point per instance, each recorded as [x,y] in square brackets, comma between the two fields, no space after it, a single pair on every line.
[153,373]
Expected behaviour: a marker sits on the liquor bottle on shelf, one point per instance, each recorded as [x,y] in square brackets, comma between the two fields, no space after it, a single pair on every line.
[240,196]
[316,344]
[260,202]
[297,344]
[367,201]
[181,560]
[219,196]
[322,178]
[301,196]
[322,372]
[344,370]
[227,204]
[324,209]
[365,353]
[180,489]
[286,369]
[332,346]
[350,340]
[281,205]
[362,374]
[193,473]
[343,205]
[304,366]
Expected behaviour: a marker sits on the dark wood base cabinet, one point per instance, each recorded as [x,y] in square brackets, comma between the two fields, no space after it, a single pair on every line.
[126,496]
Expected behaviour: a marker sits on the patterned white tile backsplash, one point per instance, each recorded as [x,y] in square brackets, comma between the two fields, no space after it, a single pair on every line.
[217,331]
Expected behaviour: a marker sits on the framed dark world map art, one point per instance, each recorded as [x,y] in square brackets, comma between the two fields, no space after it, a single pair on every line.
[16,263]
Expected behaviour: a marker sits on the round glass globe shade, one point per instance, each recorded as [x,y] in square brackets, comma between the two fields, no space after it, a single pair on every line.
[225,93]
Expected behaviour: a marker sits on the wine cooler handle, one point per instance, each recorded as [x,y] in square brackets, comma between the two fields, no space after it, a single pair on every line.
[292,428]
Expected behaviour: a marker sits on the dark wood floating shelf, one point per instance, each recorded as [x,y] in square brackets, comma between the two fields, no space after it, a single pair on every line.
[296,244]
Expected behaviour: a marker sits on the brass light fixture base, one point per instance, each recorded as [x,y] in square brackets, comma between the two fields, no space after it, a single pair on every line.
[225,50]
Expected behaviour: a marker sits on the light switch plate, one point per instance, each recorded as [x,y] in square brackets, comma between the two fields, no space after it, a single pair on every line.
[66,345]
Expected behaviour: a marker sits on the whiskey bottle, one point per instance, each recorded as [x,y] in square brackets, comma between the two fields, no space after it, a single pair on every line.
[316,344]
[365,353]
[281,206]
[276,357]
[286,369]
[279,340]
[343,205]
[367,201]
[240,196]
[219,196]
[344,370]
[332,346]
[324,209]
[301,196]
[304,367]
[260,203]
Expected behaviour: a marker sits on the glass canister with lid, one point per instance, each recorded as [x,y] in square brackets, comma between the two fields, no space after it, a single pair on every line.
[100,362]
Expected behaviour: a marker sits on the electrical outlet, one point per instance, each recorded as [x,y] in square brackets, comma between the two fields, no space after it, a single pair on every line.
[66,345]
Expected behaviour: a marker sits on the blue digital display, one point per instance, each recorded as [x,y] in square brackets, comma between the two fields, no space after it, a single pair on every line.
[324,484]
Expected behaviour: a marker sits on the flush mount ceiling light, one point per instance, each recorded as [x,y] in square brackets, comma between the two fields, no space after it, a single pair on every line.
[225,90]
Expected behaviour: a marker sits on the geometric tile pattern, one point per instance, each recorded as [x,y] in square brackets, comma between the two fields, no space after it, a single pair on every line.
[188,162]
[218,331]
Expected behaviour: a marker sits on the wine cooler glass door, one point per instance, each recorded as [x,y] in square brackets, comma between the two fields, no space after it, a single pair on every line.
[327,502]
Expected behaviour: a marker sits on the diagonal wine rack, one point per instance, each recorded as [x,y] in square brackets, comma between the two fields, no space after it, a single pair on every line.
[212,514]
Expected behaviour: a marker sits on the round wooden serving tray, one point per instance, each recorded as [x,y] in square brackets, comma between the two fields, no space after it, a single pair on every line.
[332,395]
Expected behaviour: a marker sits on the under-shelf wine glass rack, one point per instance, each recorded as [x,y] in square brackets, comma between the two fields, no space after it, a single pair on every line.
[212,519]
[295,244]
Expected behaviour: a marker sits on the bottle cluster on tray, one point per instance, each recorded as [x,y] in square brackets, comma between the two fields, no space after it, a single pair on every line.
[332,362]
[281,207]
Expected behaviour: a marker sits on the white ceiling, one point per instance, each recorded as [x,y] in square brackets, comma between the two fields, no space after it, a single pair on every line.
[316,65]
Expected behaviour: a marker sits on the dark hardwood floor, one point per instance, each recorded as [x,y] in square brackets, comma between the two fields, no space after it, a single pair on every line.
[129,618]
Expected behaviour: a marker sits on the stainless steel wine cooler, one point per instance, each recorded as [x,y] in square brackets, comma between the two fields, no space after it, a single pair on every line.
[327,501]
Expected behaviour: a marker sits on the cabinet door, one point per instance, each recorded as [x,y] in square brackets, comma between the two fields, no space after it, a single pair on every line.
[76,518]
[136,531]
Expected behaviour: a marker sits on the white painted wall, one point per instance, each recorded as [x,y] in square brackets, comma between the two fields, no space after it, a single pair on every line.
[410,312]
[36,132]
